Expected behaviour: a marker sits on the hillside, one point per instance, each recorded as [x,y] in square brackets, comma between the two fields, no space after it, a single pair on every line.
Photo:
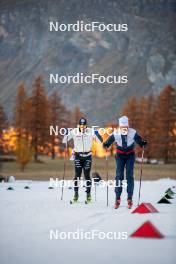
[146,52]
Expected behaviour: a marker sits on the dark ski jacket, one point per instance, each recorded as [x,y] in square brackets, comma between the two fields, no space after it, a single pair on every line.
[125,144]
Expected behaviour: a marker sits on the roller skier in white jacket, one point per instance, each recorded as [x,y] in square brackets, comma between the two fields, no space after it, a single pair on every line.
[83,140]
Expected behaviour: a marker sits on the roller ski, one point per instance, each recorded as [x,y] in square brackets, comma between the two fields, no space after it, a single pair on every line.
[130,203]
[117,204]
[75,199]
[88,199]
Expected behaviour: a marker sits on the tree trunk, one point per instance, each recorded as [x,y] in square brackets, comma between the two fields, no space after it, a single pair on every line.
[53,154]
[36,154]
[22,167]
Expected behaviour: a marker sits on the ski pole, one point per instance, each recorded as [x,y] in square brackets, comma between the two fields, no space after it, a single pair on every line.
[142,159]
[107,178]
[63,178]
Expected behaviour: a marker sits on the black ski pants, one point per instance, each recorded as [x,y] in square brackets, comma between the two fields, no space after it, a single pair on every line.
[82,164]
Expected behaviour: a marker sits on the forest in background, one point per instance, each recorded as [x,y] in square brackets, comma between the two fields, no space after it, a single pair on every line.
[27,135]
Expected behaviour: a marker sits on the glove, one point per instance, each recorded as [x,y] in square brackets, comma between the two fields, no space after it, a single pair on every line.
[104,145]
[144,143]
[96,132]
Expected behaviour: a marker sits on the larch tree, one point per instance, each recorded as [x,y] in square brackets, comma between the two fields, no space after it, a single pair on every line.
[3,125]
[147,127]
[154,117]
[76,115]
[59,116]
[166,124]
[132,111]
[39,116]
[21,110]
[23,152]
[152,135]
[3,120]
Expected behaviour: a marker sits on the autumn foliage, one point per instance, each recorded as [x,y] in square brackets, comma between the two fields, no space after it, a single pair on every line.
[154,117]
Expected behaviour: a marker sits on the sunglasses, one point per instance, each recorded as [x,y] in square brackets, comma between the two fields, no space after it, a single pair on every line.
[82,126]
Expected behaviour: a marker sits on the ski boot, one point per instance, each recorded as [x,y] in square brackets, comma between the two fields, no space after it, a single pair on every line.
[117,204]
[88,199]
[130,203]
[75,198]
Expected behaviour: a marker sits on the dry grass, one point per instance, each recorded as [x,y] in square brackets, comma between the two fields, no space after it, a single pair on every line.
[54,168]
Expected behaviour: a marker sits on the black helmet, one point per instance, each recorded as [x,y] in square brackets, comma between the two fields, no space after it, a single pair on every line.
[82,121]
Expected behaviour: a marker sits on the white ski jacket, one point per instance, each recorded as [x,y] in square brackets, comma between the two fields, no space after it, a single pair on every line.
[82,140]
